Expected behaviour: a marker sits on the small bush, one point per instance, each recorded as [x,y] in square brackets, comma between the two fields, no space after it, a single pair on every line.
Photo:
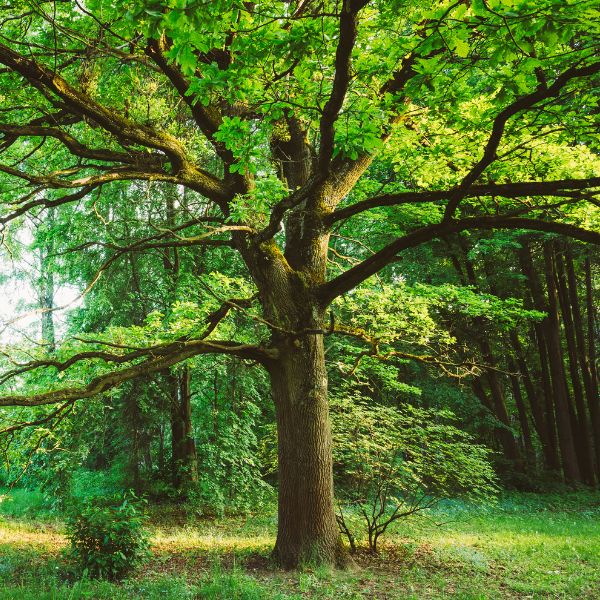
[391,463]
[108,541]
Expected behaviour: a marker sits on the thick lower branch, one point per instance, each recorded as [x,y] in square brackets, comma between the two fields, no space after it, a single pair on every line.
[354,276]
[113,379]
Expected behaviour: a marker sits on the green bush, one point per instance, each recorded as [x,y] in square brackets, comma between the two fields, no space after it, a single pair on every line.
[391,463]
[108,540]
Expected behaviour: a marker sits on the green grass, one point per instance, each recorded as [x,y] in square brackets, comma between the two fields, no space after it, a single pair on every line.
[527,546]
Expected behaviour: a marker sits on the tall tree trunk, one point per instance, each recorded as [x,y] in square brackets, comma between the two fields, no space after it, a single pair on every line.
[561,401]
[46,285]
[505,433]
[540,329]
[537,411]
[497,406]
[586,353]
[591,327]
[307,527]
[133,423]
[583,436]
[307,530]
[183,447]
[523,420]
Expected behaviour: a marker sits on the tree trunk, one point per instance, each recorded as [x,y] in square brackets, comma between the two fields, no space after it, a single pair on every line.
[594,400]
[584,441]
[183,447]
[523,420]
[539,421]
[498,405]
[540,329]
[307,527]
[46,287]
[561,401]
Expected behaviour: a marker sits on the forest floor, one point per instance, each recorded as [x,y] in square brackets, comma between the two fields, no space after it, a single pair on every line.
[527,546]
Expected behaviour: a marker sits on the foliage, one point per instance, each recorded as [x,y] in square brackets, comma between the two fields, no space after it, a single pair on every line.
[108,540]
[393,462]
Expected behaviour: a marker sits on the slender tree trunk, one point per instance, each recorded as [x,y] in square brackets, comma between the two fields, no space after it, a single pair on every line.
[46,286]
[585,354]
[583,436]
[591,328]
[540,329]
[498,405]
[190,457]
[523,420]
[537,411]
[307,526]
[183,447]
[505,434]
[561,401]
[133,421]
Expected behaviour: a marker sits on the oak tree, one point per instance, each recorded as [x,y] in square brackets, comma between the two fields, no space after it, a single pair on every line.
[281,119]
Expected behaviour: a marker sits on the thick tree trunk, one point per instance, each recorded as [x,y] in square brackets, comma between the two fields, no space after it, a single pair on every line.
[307,528]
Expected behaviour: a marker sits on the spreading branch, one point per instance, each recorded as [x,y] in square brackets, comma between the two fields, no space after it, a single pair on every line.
[542,92]
[127,131]
[371,265]
[564,187]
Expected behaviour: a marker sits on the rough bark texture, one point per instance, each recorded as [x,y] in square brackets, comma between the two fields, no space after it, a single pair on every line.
[307,527]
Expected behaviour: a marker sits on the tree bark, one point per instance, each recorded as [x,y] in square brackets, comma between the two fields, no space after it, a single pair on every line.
[540,329]
[523,420]
[307,527]
[583,437]
[591,333]
[46,285]
[585,356]
[183,448]
[561,401]
[537,412]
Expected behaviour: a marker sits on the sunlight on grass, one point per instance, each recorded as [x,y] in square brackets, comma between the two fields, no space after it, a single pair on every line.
[24,535]
[189,538]
[523,552]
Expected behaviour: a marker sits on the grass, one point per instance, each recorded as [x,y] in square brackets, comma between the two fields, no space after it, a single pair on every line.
[527,546]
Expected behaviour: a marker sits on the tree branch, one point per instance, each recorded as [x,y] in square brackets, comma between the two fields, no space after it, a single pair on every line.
[356,275]
[124,129]
[523,103]
[507,190]
[341,81]
[178,352]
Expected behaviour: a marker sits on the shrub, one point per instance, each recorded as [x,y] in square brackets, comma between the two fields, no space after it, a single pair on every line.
[108,540]
[391,463]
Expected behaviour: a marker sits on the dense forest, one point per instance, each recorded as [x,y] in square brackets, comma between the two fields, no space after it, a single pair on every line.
[330,264]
